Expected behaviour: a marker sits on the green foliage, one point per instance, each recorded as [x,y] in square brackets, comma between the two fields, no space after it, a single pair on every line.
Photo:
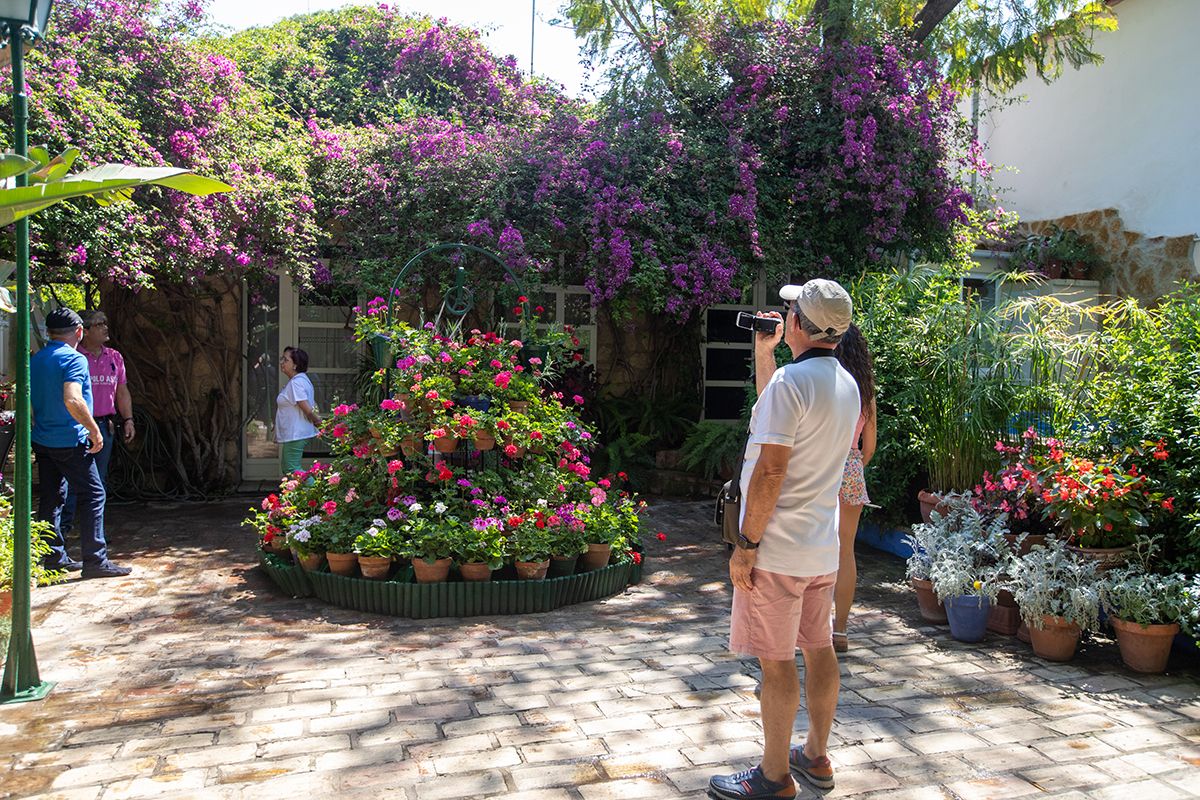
[713,448]
[963,552]
[377,541]
[631,454]
[39,541]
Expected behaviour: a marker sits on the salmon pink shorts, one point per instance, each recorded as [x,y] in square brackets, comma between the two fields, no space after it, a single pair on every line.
[783,613]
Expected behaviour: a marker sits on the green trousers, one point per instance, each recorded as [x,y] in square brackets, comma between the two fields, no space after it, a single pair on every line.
[290,454]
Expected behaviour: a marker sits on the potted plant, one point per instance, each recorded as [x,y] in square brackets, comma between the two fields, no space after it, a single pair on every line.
[1100,506]
[923,540]
[306,538]
[568,544]
[967,566]
[964,388]
[480,548]
[1059,597]
[428,539]
[375,547]
[481,431]
[342,532]
[531,543]
[1145,611]
[39,535]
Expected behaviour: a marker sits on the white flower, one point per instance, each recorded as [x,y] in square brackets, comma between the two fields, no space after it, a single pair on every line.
[541,502]
[440,507]
[415,507]
[378,523]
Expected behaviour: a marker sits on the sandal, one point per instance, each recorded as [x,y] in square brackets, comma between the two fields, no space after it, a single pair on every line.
[841,642]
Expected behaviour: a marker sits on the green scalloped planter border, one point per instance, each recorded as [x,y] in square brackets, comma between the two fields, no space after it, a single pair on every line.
[289,577]
[401,597]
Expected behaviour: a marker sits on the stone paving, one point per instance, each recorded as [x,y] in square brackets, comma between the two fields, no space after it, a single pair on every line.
[196,678]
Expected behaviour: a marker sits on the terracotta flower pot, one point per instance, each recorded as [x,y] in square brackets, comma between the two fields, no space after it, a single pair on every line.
[931,608]
[445,444]
[597,556]
[520,451]
[484,441]
[475,571]
[1144,648]
[5,602]
[310,562]
[532,570]
[431,571]
[375,568]
[412,445]
[929,503]
[1106,558]
[1027,545]
[518,406]
[1056,640]
[561,566]
[342,563]
[277,545]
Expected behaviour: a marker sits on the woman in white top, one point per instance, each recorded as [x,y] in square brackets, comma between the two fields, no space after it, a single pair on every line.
[295,419]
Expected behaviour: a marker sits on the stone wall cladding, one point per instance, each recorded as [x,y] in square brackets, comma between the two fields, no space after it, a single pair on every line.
[1139,266]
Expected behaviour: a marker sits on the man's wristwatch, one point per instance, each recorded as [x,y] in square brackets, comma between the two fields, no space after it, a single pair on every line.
[745,544]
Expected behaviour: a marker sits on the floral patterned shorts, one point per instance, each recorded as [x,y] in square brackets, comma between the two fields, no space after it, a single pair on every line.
[854,485]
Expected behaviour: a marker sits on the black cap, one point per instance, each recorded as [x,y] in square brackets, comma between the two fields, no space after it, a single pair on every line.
[62,319]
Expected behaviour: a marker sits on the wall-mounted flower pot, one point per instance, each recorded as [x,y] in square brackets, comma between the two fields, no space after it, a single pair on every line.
[445,444]
[485,441]
[518,406]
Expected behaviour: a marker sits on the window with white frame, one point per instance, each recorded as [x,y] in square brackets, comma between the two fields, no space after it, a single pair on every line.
[567,305]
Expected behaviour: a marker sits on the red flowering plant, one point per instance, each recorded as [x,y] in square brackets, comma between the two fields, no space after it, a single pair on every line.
[1106,502]
[1015,489]
[299,494]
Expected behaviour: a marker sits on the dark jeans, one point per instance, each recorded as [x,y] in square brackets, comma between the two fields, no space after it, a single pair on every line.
[74,467]
[108,431]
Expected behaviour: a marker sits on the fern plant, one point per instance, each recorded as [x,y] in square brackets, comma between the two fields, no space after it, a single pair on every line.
[712,448]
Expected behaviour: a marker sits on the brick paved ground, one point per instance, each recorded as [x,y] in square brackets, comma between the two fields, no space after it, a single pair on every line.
[195,678]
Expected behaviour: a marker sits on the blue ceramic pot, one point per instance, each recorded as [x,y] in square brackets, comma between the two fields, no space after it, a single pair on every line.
[968,615]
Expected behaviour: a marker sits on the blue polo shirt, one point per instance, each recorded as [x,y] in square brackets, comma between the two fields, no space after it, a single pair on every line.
[49,368]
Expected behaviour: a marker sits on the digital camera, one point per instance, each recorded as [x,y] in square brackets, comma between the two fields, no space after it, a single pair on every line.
[757,324]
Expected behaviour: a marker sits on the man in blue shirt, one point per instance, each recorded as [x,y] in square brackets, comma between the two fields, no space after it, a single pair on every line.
[66,440]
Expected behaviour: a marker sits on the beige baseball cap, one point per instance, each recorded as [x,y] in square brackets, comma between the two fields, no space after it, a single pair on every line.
[824,302]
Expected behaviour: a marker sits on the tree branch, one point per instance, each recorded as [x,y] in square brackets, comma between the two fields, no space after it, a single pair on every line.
[930,16]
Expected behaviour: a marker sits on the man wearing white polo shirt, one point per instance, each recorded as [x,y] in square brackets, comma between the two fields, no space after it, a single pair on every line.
[784,567]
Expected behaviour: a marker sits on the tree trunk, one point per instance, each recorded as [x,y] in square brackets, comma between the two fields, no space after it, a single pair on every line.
[930,16]
[183,349]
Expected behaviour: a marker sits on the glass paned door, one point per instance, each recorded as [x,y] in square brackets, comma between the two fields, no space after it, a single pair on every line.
[325,330]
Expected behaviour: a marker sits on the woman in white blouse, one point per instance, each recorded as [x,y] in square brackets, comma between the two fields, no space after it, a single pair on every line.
[295,419]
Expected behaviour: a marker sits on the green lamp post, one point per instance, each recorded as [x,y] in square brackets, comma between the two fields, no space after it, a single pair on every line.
[25,20]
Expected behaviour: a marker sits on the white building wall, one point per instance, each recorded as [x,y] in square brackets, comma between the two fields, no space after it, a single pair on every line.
[1124,134]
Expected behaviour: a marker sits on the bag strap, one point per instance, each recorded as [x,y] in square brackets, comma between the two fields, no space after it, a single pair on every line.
[735,485]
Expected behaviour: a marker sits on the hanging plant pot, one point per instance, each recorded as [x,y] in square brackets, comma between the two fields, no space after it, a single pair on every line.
[431,571]
[342,563]
[1056,640]
[375,568]
[412,445]
[931,608]
[310,562]
[1144,648]
[484,441]
[597,556]
[518,406]
[562,565]
[475,571]
[532,570]
[445,444]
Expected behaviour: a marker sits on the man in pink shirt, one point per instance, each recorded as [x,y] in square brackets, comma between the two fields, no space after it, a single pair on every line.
[111,404]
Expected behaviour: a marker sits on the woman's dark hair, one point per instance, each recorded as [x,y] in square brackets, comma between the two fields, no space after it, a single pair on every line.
[856,358]
[300,358]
